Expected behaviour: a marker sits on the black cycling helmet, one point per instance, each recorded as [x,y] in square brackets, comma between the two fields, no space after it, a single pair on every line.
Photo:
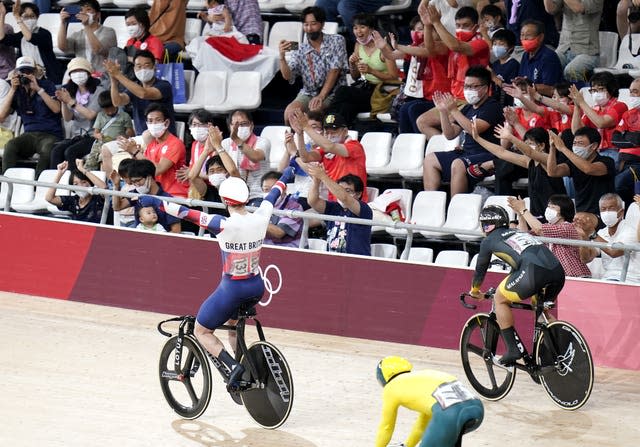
[492,217]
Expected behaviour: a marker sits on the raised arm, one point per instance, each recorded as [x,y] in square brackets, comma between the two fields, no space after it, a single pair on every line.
[349,202]
[497,150]
[51,192]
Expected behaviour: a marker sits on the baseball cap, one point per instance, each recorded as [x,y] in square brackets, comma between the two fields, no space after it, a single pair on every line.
[25,62]
[334,121]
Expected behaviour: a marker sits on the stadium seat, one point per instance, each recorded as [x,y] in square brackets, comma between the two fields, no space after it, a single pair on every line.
[192,29]
[38,204]
[429,208]
[197,5]
[624,95]
[421,254]
[21,193]
[51,22]
[203,93]
[405,206]
[457,258]
[120,27]
[243,92]
[384,251]
[626,62]
[395,7]
[463,213]
[180,129]
[372,193]
[407,154]
[499,267]
[297,7]
[284,31]
[275,134]
[265,33]
[189,82]
[128,4]
[377,147]
[608,48]
[270,5]
[439,143]
[587,96]
[317,244]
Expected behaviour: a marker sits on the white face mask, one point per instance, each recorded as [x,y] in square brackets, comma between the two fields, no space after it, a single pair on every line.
[335,139]
[609,218]
[79,78]
[199,134]
[517,103]
[156,129]
[90,19]
[551,215]
[471,96]
[145,74]
[633,102]
[144,189]
[600,98]
[30,24]
[244,132]
[307,140]
[134,30]
[82,194]
[216,179]
[582,152]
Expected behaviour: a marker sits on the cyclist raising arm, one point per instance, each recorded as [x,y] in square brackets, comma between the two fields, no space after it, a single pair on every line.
[240,237]
[533,268]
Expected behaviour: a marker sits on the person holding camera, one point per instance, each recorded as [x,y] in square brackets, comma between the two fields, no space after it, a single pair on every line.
[33,97]
[93,41]
[628,17]
[32,40]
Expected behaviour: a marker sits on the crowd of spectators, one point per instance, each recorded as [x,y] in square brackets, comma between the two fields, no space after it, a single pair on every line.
[503,77]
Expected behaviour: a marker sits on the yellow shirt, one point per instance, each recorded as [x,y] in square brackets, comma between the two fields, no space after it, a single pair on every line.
[413,390]
[374,62]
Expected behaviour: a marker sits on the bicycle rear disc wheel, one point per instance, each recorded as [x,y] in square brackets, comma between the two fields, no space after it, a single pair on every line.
[480,342]
[188,393]
[569,384]
[270,403]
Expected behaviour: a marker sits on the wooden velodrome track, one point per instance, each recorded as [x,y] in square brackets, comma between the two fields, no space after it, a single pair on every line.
[83,375]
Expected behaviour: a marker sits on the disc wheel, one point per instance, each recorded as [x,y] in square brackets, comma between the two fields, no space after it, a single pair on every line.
[480,342]
[567,375]
[187,391]
[270,402]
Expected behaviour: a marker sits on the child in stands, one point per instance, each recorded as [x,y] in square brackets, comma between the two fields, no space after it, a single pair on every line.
[148,219]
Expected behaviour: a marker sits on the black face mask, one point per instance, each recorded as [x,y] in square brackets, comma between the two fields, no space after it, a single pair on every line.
[314,35]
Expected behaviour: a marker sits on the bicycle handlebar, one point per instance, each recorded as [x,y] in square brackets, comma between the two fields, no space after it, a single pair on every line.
[165,333]
[487,295]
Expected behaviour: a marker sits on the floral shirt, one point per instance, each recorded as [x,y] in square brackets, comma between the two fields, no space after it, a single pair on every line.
[314,67]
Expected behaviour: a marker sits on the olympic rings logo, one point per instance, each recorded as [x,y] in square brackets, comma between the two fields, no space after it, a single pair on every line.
[267,282]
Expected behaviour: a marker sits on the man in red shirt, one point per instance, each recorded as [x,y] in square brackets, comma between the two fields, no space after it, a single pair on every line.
[339,154]
[166,151]
[466,48]
[604,115]
[627,138]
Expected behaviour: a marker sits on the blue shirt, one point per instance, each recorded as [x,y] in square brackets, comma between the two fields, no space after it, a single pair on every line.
[506,72]
[532,9]
[491,112]
[345,237]
[35,114]
[140,106]
[543,68]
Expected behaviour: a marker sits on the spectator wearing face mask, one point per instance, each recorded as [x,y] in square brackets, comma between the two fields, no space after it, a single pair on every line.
[166,151]
[32,40]
[147,89]
[593,174]
[540,64]
[339,154]
[248,151]
[559,216]
[604,115]
[93,41]
[137,21]
[627,138]
[283,231]
[617,229]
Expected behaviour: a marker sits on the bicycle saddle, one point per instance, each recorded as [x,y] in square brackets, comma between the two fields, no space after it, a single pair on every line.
[247,309]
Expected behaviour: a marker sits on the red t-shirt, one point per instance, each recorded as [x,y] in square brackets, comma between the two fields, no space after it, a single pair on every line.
[459,63]
[338,166]
[534,120]
[630,121]
[557,120]
[434,76]
[172,149]
[151,43]
[615,109]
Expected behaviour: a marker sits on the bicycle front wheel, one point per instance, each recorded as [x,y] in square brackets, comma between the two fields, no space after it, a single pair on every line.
[187,391]
[566,365]
[480,342]
[270,402]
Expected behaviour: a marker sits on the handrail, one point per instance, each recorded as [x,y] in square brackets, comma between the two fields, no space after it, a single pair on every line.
[307,215]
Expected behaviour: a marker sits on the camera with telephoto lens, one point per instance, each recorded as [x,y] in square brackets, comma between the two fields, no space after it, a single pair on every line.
[634,14]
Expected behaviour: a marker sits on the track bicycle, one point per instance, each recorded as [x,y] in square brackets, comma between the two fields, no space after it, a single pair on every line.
[266,386]
[561,360]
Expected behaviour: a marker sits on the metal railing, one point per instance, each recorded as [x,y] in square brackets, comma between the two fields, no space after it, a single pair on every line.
[306,216]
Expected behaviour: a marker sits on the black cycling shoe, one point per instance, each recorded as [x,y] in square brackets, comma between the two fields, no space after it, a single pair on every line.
[235,377]
[510,358]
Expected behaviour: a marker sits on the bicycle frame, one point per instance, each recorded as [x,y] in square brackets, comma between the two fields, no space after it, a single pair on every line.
[187,323]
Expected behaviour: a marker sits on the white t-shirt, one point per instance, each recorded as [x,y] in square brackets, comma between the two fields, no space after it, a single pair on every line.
[449,12]
[626,233]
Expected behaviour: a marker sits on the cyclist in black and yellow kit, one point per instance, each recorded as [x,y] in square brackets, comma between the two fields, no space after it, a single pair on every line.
[533,268]
[446,408]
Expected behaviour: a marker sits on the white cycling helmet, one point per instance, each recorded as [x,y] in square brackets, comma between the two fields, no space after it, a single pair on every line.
[234,191]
